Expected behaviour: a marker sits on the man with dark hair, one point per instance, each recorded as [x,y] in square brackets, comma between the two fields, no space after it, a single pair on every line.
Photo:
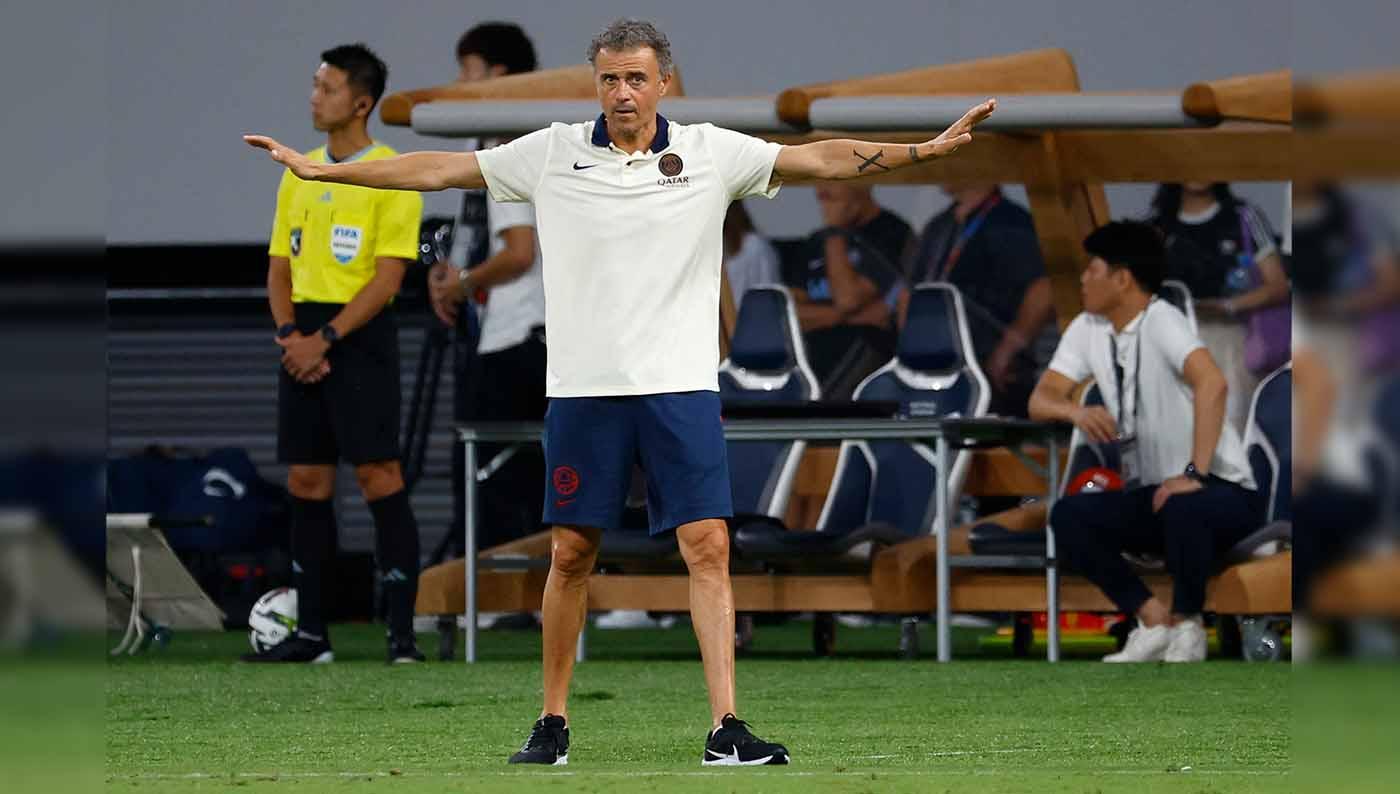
[494,49]
[335,261]
[364,72]
[1190,493]
[631,209]
[495,263]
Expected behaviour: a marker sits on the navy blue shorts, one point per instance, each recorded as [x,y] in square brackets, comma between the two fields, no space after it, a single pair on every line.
[592,443]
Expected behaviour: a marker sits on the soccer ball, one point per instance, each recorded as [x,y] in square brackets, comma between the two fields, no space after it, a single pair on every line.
[273,619]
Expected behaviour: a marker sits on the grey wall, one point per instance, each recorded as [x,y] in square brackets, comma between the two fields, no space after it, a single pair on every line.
[185,78]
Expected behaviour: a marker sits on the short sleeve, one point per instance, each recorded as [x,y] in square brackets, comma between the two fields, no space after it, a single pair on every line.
[396,228]
[513,170]
[280,243]
[1016,253]
[1171,333]
[744,162]
[885,243]
[1072,356]
[502,215]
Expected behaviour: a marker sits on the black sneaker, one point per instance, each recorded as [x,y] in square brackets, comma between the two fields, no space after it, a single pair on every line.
[548,743]
[733,745]
[405,651]
[297,649]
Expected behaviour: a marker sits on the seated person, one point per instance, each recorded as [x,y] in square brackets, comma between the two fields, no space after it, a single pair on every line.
[749,259]
[1223,249]
[844,286]
[1190,495]
[986,246]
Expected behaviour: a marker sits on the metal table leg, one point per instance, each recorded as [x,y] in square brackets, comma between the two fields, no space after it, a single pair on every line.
[469,519]
[943,618]
[1052,565]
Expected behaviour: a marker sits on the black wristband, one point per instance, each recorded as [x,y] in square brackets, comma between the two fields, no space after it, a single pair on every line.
[285,330]
[329,334]
[1194,473]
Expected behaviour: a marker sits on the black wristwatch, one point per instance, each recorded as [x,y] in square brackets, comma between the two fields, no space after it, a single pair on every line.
[285,330]
[329,334]
[1194,473]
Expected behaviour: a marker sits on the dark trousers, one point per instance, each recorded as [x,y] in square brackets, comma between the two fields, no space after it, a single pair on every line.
[1191,532]
[502,386]
[1329,522]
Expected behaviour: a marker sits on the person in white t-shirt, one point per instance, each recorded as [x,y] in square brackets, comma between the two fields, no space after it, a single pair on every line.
[495,263]
[749,259]
[630,209]
[1191,494]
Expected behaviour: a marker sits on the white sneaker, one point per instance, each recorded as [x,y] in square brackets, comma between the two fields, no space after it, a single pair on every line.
[1145,644]
[1188,642]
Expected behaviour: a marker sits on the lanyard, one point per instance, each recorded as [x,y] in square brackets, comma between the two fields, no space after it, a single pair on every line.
[1120,376]
[969,229]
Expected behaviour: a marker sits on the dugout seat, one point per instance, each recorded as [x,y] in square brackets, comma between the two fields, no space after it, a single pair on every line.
[1179,295]
[883,492]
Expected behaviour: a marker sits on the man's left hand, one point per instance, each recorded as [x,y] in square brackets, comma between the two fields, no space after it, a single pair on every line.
[961,131]
[1179,484]
[302,354]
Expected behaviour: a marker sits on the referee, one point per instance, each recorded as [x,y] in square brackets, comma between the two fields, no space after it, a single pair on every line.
[337,256]
[630,209]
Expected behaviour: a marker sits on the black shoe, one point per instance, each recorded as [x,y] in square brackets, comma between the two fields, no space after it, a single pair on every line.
[405,651]
[733,745]
[548,743]
[297,649]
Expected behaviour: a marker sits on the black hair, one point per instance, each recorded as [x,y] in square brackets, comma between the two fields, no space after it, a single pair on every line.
[1166,202]
[365,72]
[1133,246]
[499,44]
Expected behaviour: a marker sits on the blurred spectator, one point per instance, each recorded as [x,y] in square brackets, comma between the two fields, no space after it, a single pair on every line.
[1223,249]
[1190,494]
[985,245]
[1345,263]
[495,264]
[845,286]
[1346,349]
[749,259]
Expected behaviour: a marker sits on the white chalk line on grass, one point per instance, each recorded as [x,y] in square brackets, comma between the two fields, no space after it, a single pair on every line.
[272,777]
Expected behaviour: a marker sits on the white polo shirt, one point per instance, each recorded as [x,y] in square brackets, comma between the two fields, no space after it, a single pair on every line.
[632,247]
[1165,414]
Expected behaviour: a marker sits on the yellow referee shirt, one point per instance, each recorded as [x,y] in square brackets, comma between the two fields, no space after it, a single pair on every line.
[333,233]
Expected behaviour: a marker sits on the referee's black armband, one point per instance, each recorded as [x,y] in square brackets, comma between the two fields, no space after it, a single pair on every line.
[285,330]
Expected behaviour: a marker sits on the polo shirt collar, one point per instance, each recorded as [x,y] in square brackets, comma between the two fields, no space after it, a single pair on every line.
[658,143]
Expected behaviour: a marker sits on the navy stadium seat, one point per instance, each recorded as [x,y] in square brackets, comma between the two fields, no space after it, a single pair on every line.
[767,363]
[883,491]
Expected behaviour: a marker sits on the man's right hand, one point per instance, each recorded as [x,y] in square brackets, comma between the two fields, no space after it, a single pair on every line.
[295,161]
[1096,422]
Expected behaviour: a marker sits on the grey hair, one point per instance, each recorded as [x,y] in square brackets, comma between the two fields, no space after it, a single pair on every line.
[626,35]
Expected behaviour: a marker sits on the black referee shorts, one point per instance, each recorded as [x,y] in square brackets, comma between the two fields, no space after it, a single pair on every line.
[353,413]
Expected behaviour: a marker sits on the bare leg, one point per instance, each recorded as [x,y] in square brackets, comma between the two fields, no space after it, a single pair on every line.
[705,547]
[573,552]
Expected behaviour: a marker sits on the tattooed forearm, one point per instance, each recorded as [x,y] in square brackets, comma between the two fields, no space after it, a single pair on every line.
[913,153]
[871,161]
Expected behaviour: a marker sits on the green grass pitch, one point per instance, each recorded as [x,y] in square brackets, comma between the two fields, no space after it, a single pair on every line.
[190,718]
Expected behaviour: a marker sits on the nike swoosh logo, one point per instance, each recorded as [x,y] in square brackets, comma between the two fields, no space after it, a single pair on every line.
[578,167]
